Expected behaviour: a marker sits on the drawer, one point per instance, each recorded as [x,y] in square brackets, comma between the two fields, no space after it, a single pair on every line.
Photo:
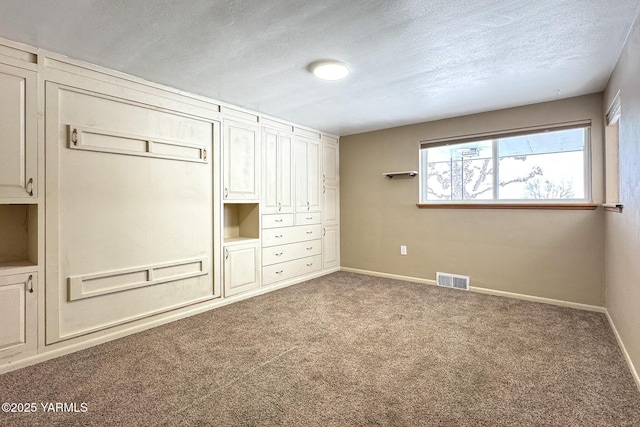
[277,220]
[286,235]
[287,270]
[282,253]
[308,218]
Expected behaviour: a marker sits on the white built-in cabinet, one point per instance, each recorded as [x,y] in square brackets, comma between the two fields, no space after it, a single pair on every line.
[330,205]
[277,187]
[18,305]
[241,268]
[241,167]
[19,205]
[18,133]
[306,155]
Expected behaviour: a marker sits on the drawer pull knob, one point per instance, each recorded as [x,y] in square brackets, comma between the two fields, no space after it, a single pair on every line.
[309,217]
[278,236]
[310,264]
[280,254]
[280,272]
[279,220]
[309,232]
[309,248]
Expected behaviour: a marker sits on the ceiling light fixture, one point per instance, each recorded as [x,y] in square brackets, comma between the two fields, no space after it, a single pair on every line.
[329,70]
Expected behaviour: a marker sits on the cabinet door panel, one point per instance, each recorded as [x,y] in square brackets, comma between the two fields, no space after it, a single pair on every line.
[18,144]
[331,247]
[270,171]
[241,268]
[313,175]
[329,163]
[285,196]
[330,209]
[241,161]
[17,314]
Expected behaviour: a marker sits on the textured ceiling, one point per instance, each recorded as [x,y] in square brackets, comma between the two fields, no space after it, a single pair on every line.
[411,60]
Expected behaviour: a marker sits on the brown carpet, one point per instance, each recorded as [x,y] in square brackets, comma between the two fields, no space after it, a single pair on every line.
[346,350]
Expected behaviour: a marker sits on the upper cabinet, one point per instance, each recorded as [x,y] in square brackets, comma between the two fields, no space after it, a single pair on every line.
[330,164]
[18,133]
[277,191]
[306,154]
[241,167]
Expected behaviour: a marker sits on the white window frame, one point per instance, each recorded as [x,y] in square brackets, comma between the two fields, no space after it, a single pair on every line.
[585,124]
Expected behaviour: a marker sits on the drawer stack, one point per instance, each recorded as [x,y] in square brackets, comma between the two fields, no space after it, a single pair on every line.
[291,246]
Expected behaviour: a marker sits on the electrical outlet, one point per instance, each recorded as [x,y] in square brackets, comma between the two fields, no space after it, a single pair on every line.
[403,250]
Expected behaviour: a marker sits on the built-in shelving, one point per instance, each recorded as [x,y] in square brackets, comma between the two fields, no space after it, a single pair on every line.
[18,237]
[241,222]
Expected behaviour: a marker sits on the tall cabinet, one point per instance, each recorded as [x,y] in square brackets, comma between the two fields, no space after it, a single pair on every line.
[19,204]
[241,153]
[331,204]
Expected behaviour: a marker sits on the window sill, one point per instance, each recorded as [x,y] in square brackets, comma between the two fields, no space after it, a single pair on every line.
[539,206]
[612,207]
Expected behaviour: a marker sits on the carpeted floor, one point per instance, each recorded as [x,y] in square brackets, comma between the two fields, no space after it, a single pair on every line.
[346,350]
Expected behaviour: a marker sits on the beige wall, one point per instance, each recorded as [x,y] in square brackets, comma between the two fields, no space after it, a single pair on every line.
[622,231]
[550,254]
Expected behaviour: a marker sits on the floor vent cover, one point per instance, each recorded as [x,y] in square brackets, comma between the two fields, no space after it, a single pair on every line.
[454,281]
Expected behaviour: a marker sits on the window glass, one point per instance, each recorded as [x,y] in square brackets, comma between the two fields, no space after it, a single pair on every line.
[546,165]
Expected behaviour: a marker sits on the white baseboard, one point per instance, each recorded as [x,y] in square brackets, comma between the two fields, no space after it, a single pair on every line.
[632,368]
[551,301]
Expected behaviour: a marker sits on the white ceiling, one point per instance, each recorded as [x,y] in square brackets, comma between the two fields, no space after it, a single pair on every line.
[411,60]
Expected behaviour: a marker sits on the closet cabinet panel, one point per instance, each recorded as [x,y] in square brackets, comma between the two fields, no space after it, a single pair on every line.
[331,247]
[330,170]
[241,268]
[18,133]
[277,172]
[128,210]
[241,167]
[307,165]
[18,317]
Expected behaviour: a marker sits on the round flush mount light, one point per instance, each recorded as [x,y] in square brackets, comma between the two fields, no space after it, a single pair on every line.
[329,70]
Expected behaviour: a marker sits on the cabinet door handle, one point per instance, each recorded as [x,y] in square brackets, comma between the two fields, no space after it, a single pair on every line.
[226,254]
[30,186]
[308,205]
[324,178]
[30,283]
[324,233]
[279,254]
[74,136]
[279,206]
[226,192]
[324,189]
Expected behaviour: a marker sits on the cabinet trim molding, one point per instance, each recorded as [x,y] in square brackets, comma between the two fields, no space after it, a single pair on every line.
[92,285]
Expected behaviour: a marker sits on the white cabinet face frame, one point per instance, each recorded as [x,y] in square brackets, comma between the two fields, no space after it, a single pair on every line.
[18,314]
[18,133]
[277,171]
[241,165]
[242,271]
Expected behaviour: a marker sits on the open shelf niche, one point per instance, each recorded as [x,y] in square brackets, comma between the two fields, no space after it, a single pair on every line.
[18,236]
[241,222]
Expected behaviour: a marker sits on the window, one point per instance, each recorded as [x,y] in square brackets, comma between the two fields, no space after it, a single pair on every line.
[536,166]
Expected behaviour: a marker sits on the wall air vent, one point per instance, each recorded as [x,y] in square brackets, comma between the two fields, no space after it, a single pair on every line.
[454,281]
